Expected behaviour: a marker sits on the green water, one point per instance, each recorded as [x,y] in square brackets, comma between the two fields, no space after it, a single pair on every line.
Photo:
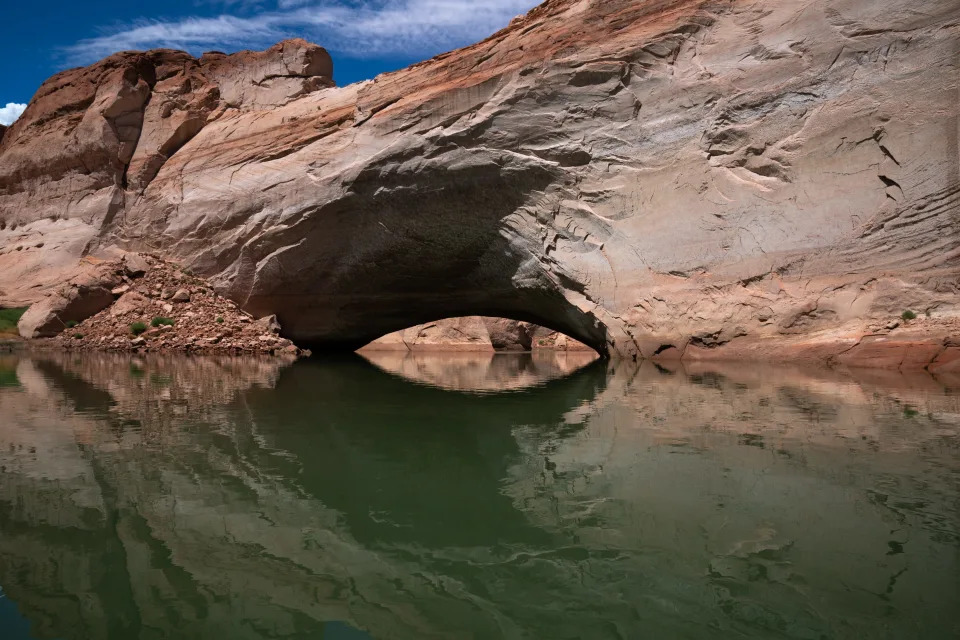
[474,497]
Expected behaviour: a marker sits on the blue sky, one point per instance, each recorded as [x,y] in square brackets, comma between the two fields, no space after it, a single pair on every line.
[365,37]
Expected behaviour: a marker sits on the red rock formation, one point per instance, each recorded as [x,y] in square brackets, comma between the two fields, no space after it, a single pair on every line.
[686,178]
[92,138]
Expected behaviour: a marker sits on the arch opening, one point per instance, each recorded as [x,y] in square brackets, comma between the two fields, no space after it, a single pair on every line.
[478,334]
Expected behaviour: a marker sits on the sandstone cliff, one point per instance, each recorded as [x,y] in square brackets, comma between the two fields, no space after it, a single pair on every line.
[693,178]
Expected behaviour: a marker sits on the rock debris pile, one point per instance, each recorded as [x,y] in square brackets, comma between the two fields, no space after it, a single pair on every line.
[158,307]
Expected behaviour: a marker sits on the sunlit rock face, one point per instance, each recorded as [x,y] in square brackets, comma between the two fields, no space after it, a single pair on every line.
[647,177]
[467,334]
[475,334]
[93,138]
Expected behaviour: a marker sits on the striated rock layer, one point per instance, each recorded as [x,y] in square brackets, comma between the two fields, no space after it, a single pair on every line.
[664,178]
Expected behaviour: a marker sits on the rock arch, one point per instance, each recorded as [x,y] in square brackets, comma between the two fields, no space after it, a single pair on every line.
[648,177]
[393,254]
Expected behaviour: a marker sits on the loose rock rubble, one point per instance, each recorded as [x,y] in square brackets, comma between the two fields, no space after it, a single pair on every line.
[180,313]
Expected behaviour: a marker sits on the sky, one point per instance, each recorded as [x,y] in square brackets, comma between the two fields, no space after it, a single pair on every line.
[364,37]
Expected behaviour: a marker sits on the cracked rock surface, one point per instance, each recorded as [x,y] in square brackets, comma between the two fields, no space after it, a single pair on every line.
[670,178]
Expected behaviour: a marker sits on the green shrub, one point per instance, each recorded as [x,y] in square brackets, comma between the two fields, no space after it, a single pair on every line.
[137,328]
[219,320]
[9,319]
[78,336]
[908,315]
[71,324]
[158,321]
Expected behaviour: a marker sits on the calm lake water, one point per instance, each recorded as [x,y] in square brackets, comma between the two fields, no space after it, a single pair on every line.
[474,497]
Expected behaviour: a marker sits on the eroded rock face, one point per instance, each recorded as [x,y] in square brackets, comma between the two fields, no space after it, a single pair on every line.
[86,293]
[650,177]
[92,139]
[452,334]
[471,334]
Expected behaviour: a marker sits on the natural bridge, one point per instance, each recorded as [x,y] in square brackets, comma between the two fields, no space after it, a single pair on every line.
[651,178]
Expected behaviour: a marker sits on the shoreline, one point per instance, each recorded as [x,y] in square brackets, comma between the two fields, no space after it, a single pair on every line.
[934,348]
[909,351]
[140,303]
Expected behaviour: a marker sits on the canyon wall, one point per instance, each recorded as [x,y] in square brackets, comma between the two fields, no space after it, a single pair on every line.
[671,178]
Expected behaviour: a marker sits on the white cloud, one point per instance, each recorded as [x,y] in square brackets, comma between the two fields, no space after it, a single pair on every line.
[11,112]
[364,28]
[189,33]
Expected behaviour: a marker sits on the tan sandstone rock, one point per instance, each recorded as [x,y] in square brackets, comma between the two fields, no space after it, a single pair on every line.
[472,333]
[509,335]
[87,292]
[455,334]
[689,177]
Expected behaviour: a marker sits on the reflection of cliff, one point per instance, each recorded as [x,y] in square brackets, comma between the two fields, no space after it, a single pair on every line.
[609,503]
[791,494]
[76,553]
[202,526]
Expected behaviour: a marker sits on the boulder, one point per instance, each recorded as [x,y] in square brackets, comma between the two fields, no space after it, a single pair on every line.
[268,324]
[509,335]
[135,264]
[130,303]
[88,292]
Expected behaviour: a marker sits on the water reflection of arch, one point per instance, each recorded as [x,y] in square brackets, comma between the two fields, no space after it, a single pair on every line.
[192,528]
[434,433]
